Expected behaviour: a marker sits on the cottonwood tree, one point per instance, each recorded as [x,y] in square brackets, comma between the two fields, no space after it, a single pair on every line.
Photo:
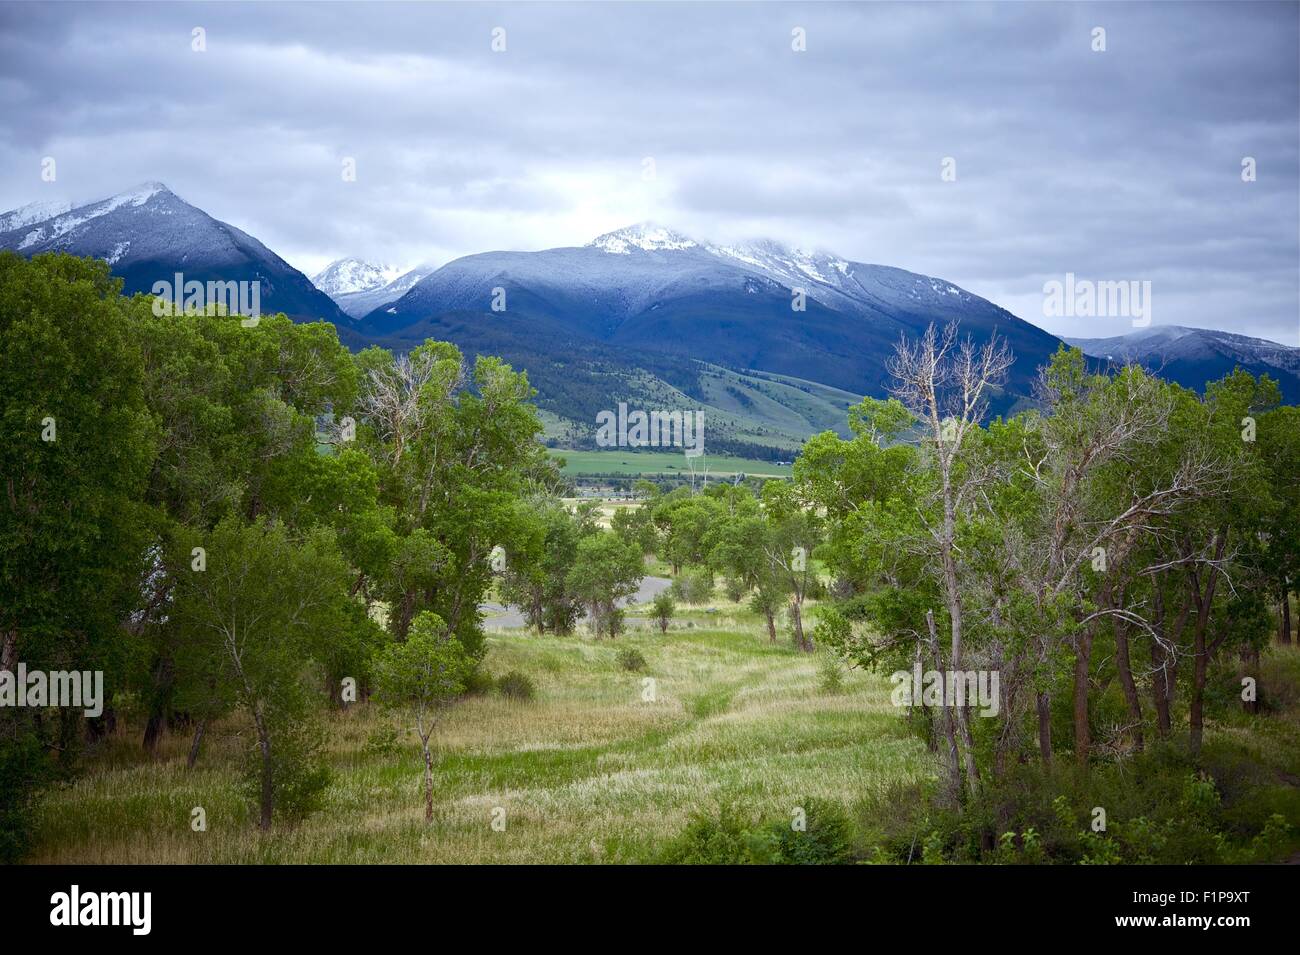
[605,571]
[945,383]
[251,616]
[427,672]
[792,532]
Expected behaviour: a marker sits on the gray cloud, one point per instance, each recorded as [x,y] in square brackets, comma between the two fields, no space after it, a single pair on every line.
[1115,165]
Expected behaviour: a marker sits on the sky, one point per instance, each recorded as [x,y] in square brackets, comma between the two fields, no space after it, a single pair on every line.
[1115,165]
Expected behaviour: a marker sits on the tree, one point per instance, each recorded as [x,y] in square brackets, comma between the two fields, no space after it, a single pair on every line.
[251,615]
[663,607]
[427,672]
[605,571]
[74,531]
[945,384]
[793,531]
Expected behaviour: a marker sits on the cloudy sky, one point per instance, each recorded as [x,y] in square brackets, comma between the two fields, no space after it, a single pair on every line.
[1116,165]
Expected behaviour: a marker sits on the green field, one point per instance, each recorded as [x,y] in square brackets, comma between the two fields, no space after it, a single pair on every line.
[631,463]
[587,772]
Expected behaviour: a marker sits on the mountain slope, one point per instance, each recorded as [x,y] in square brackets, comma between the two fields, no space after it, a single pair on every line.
[647,290]
[1194,356]
[148,234]
[343,276]
[360,303]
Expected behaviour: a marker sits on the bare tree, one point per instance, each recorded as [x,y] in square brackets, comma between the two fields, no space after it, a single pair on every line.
[945,383]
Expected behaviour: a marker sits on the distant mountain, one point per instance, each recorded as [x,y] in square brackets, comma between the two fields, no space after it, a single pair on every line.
[148,234]
[648,291]
[359,303]
[1194,356]
[343,276]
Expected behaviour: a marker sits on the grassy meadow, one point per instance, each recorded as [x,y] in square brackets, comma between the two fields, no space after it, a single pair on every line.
[586,772]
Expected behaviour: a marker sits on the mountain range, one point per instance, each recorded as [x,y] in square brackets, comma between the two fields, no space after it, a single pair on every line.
[147,234]
[775,342]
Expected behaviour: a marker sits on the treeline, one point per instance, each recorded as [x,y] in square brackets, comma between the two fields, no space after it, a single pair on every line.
[171,515]
[1104,554]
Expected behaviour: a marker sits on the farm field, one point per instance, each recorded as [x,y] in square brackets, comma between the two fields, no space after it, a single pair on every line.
[624,462]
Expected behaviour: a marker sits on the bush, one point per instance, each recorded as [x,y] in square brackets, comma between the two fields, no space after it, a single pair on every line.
[831,672]
[384,741]
[479,682]
[825,839]
[663,608]
[630,659]
[298,777]
[23,768]
[692,587]
[724,838]
[516,686]
[821,834]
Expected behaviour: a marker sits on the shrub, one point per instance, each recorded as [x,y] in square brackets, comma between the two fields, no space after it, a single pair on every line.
[831,672]
[384,741]
[692,587]
[478,683]
[723,838]
[825,839]
[298,777]
[821,834]
[663,608]
[516,686]
[631,659]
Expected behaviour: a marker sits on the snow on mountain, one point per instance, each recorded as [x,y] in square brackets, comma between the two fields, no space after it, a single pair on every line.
[148,233]
[357,304]
[344,276]
[32,213]
[645,236]
[1193,356]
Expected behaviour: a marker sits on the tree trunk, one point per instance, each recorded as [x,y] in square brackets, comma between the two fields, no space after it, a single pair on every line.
[771,625]
[159,703]
[1196,714]
[1284,629]
[428,782]
[951,756]
[9,650]
[1125,667]
[796,619]
[1082,734]
[199,730]
[1043,704]
[268,781]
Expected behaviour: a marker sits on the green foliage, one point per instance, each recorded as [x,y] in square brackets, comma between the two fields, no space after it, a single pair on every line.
[23,768]
[830,672]
[818,832]
[692,587]
[517,686]
[662,608]
[630,658]
[605,571]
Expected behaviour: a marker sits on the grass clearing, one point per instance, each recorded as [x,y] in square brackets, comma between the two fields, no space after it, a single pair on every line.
[588,772]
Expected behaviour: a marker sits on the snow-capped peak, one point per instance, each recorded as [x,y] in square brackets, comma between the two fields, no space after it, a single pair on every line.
[353,275]
[33,212]
[645,236]
[57,212]
[789,263]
